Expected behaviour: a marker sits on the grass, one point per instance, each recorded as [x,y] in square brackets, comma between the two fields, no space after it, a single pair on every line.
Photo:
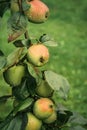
[67,25]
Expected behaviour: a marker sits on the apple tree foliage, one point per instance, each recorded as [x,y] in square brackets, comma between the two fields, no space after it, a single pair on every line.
[24,95]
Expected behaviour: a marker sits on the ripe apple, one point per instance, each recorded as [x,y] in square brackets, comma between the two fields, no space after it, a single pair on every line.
[38,54]
[44,90]
[14,75]
[33,122]
[51,118]
[43,108]
[38,11]
[14,6]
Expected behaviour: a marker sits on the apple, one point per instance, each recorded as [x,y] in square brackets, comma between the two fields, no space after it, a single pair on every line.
[33,122]
[38,11]
[14,75]
[14,6]
[51,118]
[43,108]
[44,90]
[38,54]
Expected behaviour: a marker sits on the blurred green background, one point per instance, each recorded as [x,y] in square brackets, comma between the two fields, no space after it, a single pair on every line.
[67,24]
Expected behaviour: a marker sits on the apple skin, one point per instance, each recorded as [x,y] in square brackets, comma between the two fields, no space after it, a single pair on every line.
[38,12]
[44,90]
[14,7]
[51,118]
[43,108]
[38,54]
[33,122]
[13,75]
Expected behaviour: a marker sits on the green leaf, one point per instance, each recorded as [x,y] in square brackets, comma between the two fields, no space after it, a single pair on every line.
[16,56]
[61,107]
[77,119]
[25,6]
[22,43]
[5,123]
[4,5]
[50,43]
[47,40]
[31,84]
[24,120]
[23,105]
[1,53]
[34,72]
[6,106]
[15,123]
[3,62]
[21,92]
[58,83]
[17,25]
[77,128]
[63,117]
[3,99]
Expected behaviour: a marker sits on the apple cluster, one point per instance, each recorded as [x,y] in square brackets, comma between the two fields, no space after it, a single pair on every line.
[43,112]
[17,74]
[44,108]
[37,55]
[23,12]
[35,10]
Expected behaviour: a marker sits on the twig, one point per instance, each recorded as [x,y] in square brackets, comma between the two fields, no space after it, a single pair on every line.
[26,35]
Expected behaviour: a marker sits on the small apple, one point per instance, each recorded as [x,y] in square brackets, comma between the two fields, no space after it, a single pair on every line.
[43,108]
[14,6]
[51,118]
[38,54]
[14,75]
[33,122]
[44,90]
[38,11]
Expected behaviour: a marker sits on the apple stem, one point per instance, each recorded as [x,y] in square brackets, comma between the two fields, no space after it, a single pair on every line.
[20,5]
[26,35]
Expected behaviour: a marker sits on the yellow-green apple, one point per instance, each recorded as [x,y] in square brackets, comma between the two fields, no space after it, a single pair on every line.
[44,90]
[14,6]
[38,54]
[33,122]
[51,118]
[14,75]
[43,108]
[38,11]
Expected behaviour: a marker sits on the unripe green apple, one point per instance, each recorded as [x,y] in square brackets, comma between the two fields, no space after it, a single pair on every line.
[38,54]
[14,6]
[33,122]
[14,75]
[38,12]
[44,90]
[43,108]
[51,118]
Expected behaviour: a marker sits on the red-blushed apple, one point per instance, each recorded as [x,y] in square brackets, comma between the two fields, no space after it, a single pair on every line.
[43,108]
[33,122]
[51,118]
[13,75]
[38,11]
[44,90]
[38,54]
